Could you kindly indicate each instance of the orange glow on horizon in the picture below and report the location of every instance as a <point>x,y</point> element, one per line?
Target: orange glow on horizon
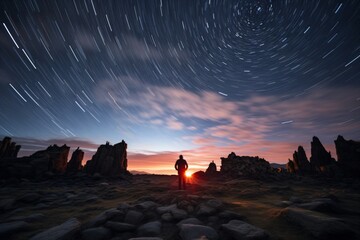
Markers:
<point>188,174</point>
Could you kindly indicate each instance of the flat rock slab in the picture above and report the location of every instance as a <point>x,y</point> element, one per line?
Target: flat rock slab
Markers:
<point>192,231</point>
<point>318,224</point>
<point>11,227</point>
<point>98,233</point>
<point>67,230</point>
<point>241,230</point>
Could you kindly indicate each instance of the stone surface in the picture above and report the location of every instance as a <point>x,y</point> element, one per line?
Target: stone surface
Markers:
<point>192,231</point>
<point>108,160</point>
<point>205,210</point>
<point>150,229</point>
<point>241,230</point>
<point>317,224</point>
<point>12,227</point>
<point>231,215</point>
<point>102,218</point>
<point>119,226</point>
<point>67,230</point>
<point>133,217</point>
<point>99,233</point>
<point>193,221</point>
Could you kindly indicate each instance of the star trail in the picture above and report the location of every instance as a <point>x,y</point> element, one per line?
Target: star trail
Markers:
<point>199,77</point>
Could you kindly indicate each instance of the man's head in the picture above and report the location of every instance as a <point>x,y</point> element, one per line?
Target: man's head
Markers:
<point>181,157</point>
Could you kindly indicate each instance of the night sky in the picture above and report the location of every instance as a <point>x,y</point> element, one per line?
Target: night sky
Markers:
<point>201,78</point>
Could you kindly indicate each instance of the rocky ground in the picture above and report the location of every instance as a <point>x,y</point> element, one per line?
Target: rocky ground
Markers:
<point>151,207</point>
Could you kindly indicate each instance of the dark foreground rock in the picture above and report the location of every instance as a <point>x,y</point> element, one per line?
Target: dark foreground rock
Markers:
<point>67,230</point>
<point>319,225</point>
<point>241,230</point>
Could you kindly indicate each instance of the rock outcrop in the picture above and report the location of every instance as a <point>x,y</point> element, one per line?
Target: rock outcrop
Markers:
<point>108,160</point>
<point>211,170</point>
<point>74,165</point>
<point>57,157</point>
<point>348,154</point>
<point>300,164</point>
<point>8,149</point>
<point>320,158</point>
<point>238,166</point>
<point>53,159</point>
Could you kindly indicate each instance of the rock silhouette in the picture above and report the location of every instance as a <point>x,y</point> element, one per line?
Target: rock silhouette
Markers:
<point>348,154</point>
<point>320,158</point>
<point>300,164</point>
<point>211,170</point>
<point>51,160</point>
<point>74,165</point>
<point>238,166</point>
<point>108,160</point>
<point>8,149</point>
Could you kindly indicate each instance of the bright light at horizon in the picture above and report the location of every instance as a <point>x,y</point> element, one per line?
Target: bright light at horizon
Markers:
<point>188,174</point>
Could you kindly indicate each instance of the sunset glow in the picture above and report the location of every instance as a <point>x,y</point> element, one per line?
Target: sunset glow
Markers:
<point>188,174</point>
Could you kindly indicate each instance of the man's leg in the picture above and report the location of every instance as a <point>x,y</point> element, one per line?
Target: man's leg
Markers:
<point>184,181</point>
<point>179,181</point>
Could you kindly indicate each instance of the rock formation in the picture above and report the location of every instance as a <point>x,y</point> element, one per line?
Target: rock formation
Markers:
<point>348,153</point>
<point>74,165</point>
<point>57,157</point>
<point>8,149</point>
<point>320,158</point>
<point>211,170</point>
<point>290,166</point>
<point>237,166</point>
<point>300,164</point>
<point>108,160</point>
<point>53,159</point>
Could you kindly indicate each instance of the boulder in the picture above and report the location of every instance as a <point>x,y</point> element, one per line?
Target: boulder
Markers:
<point>317,224</point>
<point>74,165</point>
<point>119,226</point>
<point>241,230</point>
<point>98,233</point>
<point>192,231</point>
<point>108,160</point>
<point>193,221</point>
<point>66,230</point>
<point>133,217</point>
<point>150,229</point>
<point>102,218</point>
<point>12,227</point>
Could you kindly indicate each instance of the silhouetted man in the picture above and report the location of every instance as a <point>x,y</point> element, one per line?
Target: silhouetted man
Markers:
<point>181,166</point>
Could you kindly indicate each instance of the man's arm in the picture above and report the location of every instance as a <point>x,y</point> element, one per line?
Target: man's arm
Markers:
<point>176,165</point>
<point>186,165</point>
